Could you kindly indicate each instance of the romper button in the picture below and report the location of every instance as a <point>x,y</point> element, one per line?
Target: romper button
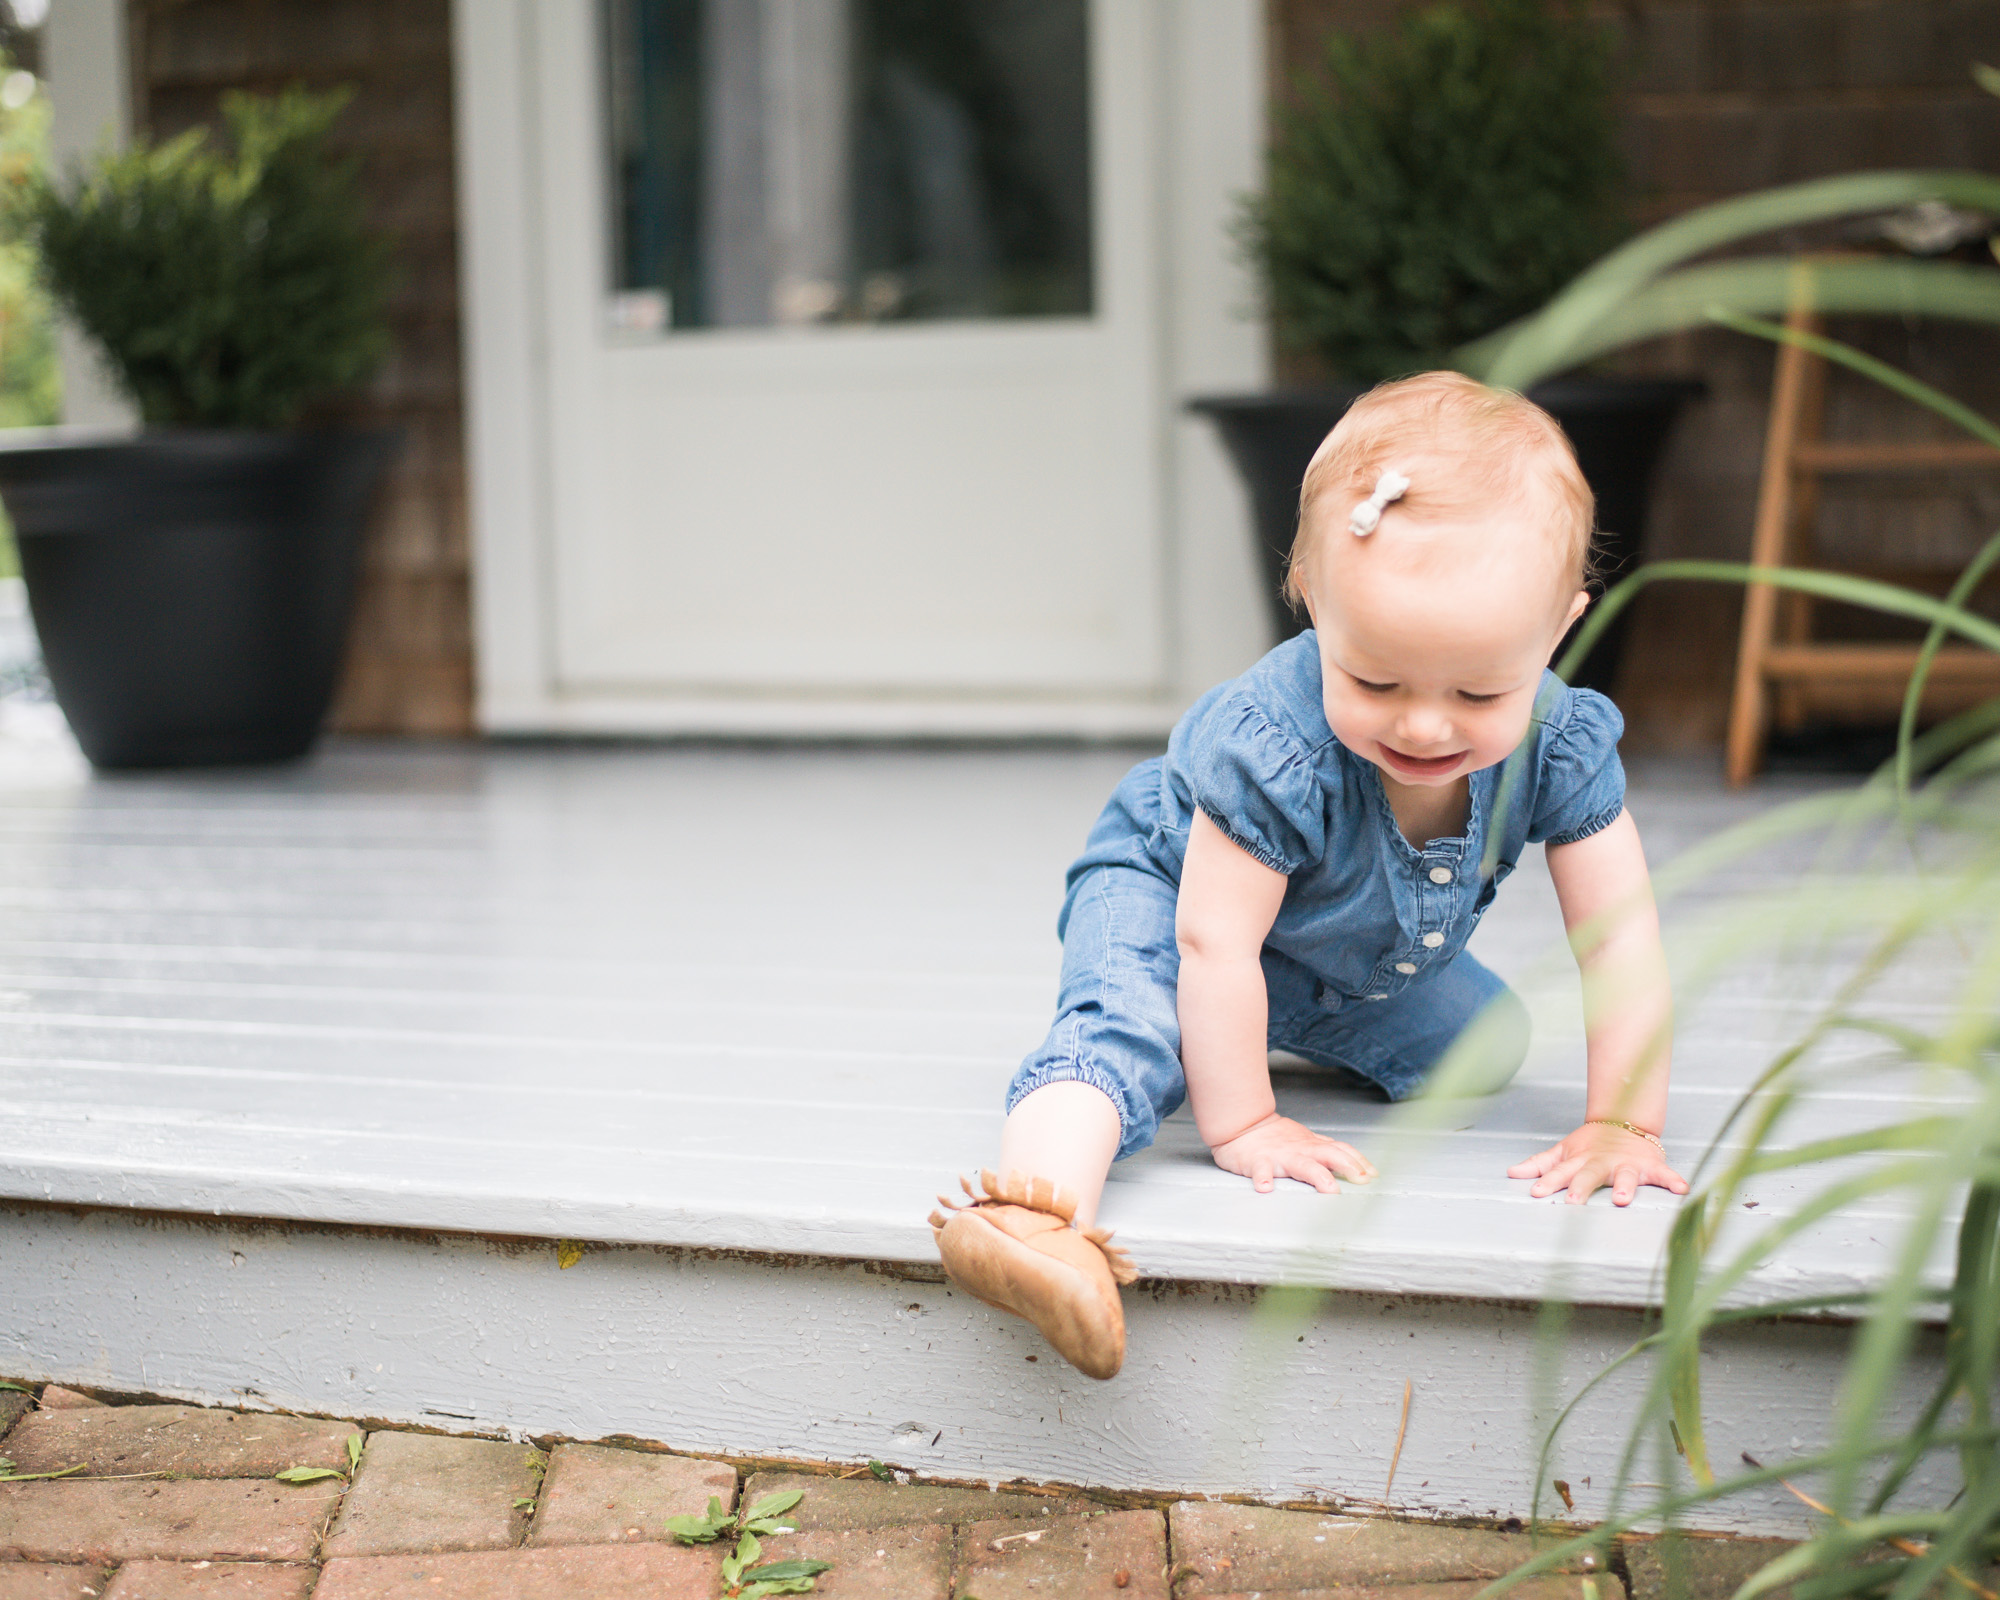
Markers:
<point>1433,940</point>
<point>1406,967</point>
<point>1440,874</point>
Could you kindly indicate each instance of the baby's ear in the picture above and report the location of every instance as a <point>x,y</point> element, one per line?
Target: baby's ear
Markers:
<point>1579,602</point>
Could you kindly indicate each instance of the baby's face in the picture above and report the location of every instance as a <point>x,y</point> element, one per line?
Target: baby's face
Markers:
<point>1432,640</point>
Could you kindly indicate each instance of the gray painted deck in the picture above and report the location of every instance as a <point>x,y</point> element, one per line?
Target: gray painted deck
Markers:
<point>421,1008</point>
<point>754,999</point>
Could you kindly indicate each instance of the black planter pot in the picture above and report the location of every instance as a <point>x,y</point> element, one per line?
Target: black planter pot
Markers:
<point>192,588</point>
<point>1619,427</point>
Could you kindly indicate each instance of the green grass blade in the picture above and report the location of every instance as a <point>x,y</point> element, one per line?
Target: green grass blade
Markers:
<point>1683,1339</point>
<point>1973,1337</point>
<point>1913,695</point>
<point>1841,586</point>
<point>1519,354</point>
<point>1672,1505</point>
<point>1919,1133</point>
<point>1767,286</point>
<point>1859,361</point>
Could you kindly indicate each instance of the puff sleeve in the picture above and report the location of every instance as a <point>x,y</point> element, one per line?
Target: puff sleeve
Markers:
<point>1255,782</point>
<point>1581,782</point>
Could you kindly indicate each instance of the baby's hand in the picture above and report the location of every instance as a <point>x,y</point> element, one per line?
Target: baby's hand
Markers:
<point>1278,1147</point>
<point>1597,1154</point>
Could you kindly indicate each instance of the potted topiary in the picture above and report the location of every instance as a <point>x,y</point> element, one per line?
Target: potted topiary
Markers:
<point>192,583</point>
<point>1431,184</point>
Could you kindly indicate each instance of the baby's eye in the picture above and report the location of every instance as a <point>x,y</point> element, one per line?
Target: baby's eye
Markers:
<point>1472,699</point>
<point>1371,688</point>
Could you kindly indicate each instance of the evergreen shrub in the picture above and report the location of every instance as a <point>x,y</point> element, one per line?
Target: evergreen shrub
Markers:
<point>228,287</point>
<point>1437,180</point>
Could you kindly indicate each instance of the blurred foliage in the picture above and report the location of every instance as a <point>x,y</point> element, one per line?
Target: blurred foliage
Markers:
<point>30,379</point>
<point>1655,284</point>
<point>1906,878</point>
<point>1436,180</point>
<point>30,387</point>
<point>227,287</point>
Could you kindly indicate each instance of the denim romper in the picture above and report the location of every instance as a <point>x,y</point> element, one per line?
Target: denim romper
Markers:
<point>1365,964</point>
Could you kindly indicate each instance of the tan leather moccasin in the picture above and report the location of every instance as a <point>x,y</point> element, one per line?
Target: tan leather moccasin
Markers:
<point>1015,1248</point>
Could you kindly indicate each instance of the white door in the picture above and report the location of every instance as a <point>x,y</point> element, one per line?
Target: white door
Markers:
<point>852,364</point>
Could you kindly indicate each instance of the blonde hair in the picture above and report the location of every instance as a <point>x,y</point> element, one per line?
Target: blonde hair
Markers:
<point>1500,446</point>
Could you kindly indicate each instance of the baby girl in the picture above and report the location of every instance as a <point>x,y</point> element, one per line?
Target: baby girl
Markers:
<point>1302,869</point>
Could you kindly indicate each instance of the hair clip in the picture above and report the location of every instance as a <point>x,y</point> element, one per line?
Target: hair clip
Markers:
<point>1365,518</point>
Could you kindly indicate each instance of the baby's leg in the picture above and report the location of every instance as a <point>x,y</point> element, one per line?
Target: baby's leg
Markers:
<point>1095,1090</point>
<point>1110,1068</point>
<point>1406,1042</point>
<point>1066,1131</point>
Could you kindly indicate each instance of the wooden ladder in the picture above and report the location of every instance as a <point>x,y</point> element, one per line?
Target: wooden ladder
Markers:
<point>1778,656</point>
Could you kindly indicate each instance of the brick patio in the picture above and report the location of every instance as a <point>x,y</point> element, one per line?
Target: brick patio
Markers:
<point>170,1502</point>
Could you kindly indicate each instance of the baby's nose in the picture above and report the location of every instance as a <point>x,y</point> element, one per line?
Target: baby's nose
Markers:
<point>1425,725</point>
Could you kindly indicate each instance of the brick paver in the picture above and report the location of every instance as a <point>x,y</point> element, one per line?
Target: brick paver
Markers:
<point>31,1580</point>
<point>876,1563</point>
<point>1709,1569</point>
<point>1556,1588</point>
<point>573,1572</point>
<point>57,1398</point>
<point>420,1492</point>
<point>866,1503</point>
<point>598,1495</point>
<point>75,1520</point>
<point>185,1440</point>
<point>449,1519</point>
<point>211,1580</point>
<point>1228,1548</point>
<point>1120,1555</point>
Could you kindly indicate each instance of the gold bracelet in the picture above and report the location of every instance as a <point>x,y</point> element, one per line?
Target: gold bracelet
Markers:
<point>1652,1139</point>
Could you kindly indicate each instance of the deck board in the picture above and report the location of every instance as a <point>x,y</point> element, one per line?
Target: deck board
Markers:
<point>753,999</point>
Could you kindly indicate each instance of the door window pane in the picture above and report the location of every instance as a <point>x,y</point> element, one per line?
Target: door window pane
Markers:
<point>817,161</point>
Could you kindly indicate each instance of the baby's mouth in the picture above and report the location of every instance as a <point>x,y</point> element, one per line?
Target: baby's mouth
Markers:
<point>1420,766</point>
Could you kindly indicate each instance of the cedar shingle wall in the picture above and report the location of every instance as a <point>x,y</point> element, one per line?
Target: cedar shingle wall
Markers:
<point>1724,96</point>
<point>410,665</point>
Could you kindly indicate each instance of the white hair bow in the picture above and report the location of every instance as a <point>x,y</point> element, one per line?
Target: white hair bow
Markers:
<point>1365,518</point>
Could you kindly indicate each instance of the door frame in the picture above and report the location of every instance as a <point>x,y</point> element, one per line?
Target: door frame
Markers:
<point>1209,94</point>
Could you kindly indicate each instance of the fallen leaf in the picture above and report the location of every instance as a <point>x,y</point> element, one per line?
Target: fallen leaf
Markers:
<point>878,1471</point>
<point>1562,1489</point>
<point>307,1474</point>
<point>568,1252</point>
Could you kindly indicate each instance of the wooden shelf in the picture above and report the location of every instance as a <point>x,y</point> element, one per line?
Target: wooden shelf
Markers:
<point>1782,672</point>
<point>1873,661</point>
<point>1854,455</point>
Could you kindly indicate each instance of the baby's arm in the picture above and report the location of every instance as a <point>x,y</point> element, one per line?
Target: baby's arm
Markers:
<point>1228,901</point>
<point>1607,904</point>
